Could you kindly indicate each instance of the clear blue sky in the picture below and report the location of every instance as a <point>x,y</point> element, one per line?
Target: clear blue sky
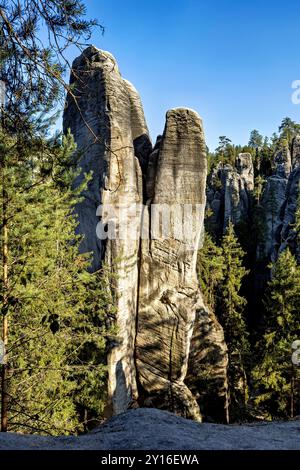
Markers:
<point>232,61</point>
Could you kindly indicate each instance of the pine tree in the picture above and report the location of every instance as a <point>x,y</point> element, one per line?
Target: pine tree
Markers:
<point>225,152</point>
<point>53,310</point>
<point>258,188</point>
<point>232,307</point>
<point>210,270</point>
<point>256,140</point>
<point>274,375</point>
<point>288,129</point>
<point>32,69</point>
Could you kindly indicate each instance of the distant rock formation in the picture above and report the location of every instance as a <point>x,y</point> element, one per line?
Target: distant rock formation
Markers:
<point>279,202</point>
<point>166,336</point>
<point>229,193</point>
<point>296,152</point>
<point>283,162</point>
<point>287,235</point>
<point>272,201</point>
<point>229,198</point>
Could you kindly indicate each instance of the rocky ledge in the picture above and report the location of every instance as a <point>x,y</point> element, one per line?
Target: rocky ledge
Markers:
<point>145,429</point>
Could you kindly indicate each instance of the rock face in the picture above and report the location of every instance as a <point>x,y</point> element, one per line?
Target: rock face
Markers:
<point>279,202</point>
<point>296,152</point>
<point>238,187</point>
<point>207,365</point>
<point>283,162</point>
<point>287,234</point>
<point>229,193</point>
<point>272,202</point>
<point>169,297</point>
<point>165,335</point>
<point>229,198</point>
<point>108,127</point>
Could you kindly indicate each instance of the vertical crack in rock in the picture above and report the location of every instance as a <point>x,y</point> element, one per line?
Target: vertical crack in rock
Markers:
<point>140,134</point>
<point>165,335</point>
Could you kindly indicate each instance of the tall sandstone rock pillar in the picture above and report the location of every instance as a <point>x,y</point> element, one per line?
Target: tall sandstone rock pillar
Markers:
<point>165,335</point>
<point>107,120</point>
<point>169,297</point>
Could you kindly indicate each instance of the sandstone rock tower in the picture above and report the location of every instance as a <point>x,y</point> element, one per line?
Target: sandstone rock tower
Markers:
<point>168,343</point>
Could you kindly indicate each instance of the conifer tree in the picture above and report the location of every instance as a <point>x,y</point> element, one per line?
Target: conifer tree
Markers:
<point>53,310</point>
<point>231,314</point>
<point>33,66</point>
<point>225,152</point>
<point>210,270</point>
<point>274,375</point>
<point>288,129</point>
<point>256,140</point>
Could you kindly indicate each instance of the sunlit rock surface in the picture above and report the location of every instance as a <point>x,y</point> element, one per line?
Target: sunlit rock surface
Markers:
<point>163,328</point>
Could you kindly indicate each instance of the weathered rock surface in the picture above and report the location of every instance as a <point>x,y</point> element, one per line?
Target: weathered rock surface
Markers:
<point>140,134</point>
<point>279,203</point>
<point>207,366</point>
<point>107,129</point>
<point>169,296</point>
<point>158,298</point>
<point>296,152</point>
<point>238,187</point>
<point>272,202</point>
<point>283,162</point>
<point>149,429</point>
<point>229,198</point>
<point>287,233</point>
<point>229,193</point>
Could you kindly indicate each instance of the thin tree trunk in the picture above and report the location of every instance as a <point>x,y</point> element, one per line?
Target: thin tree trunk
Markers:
<point>4,372</point>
